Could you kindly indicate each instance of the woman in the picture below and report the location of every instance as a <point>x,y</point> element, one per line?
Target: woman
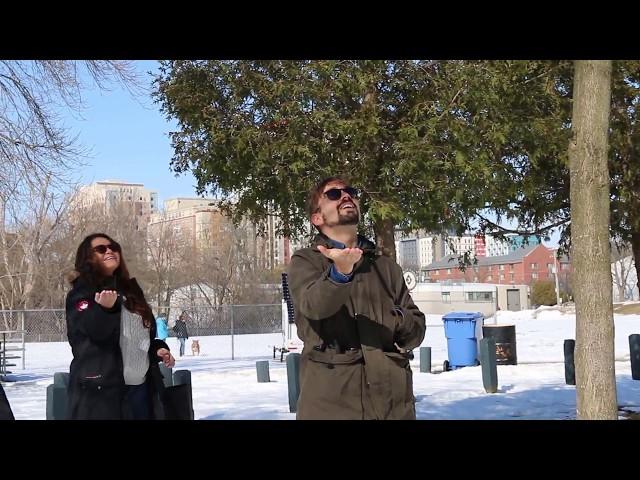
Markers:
<point>180,329</point>
<point>114,373</point>
<point>162,328</point>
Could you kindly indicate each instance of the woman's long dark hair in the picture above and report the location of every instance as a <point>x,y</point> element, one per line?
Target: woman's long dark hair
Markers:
<point>90,273</point>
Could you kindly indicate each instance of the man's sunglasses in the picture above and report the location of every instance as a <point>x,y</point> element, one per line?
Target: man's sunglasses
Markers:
<point>336,193</point>
<point>102,249</point>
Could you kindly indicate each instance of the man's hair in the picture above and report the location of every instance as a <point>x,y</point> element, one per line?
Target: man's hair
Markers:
<point>316,192</point>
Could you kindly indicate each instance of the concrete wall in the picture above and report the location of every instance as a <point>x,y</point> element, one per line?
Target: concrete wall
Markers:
<point>525,302</point>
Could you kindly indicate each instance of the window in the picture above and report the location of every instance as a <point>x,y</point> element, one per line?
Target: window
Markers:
<point>448,271</point>
<point>489,277</point>
<point>479,296</point>
<point>511,267</point>
<point>475,269</point>
<point>501,268</point>
<point>534,275</point>
<point>437,272</point>
<point>534,265</point>
<point>502,276</point>
<point>446,297</point>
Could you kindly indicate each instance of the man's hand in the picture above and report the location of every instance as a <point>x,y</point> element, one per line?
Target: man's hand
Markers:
<point>344,259</point>
<point>166,357</point>
<point>106,298</point>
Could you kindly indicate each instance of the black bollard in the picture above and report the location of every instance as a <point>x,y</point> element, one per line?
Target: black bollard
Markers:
<point>183,395</point>
<point>262,367</point>
<point>569,365</point>
<point>634,350</point>
<point>425,359</point>
<point>293,380</point>
<point>488,365</point>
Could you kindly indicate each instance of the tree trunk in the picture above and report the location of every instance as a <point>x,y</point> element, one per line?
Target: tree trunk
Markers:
<point>590,247</point>
<point>635,249</point>
<point>385,240</point>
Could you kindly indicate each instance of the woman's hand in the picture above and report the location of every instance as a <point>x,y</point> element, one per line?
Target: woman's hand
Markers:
<point>106,298</point>
<point>166,357</point>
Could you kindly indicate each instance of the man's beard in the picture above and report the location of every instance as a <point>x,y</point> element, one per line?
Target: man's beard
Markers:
<point>348,217</point>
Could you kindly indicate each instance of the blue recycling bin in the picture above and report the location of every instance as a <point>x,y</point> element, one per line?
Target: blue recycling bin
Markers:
<point>460,329</point>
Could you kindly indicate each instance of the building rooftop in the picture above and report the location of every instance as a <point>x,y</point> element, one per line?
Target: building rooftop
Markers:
<point>515,256</point>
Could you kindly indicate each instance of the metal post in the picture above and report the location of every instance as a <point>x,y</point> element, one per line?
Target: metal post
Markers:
<point>488,364</point>
<point>232,352</point>
<point>425,359</point>
<point>634,350</point>
<point>262,368</point>
<point>569,365</point>
<point>24,351</point>
<point>293,380</point>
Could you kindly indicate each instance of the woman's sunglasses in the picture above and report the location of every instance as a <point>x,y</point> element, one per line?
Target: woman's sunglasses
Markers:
<point>336,193</point>
<point>102,249</point>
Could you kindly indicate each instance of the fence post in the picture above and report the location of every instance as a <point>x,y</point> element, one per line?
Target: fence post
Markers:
<point>569,365</point>
<point>293,380</point>
<point>232,352</point>
<point>425,359</point>
<point>24,350</point>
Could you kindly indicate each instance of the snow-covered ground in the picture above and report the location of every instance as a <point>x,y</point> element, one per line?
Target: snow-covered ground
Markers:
<point>228,389</point>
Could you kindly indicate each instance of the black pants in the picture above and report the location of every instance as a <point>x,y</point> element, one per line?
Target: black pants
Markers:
<point>137,402</point>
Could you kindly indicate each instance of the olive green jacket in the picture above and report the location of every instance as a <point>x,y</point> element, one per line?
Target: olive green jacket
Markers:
<point>350,367</point>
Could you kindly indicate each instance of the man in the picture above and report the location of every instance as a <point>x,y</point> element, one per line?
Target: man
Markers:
<point>354,315</point>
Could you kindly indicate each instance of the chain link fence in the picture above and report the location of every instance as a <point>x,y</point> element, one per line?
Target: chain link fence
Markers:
<point>227,319</point>
<point>49,325</point>
<point>38,325</point>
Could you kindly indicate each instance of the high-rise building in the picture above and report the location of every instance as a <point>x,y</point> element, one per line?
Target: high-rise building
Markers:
<point>110,194</point>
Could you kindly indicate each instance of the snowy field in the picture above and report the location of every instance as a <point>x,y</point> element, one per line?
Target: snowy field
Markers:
<point>228,389</point>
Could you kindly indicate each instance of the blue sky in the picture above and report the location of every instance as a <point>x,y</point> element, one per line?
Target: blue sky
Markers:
<point>128,139</point>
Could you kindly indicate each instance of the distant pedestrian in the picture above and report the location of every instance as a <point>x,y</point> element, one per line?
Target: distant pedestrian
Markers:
<point>180,329</point>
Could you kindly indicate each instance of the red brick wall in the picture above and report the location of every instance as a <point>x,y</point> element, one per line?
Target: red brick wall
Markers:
<point>522,271</point>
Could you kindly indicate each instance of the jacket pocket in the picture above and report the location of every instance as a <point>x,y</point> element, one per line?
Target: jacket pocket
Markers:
<point>92,383</point>
<point>400,359</point>
<point>331,385</point>
<point>401,378</point>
